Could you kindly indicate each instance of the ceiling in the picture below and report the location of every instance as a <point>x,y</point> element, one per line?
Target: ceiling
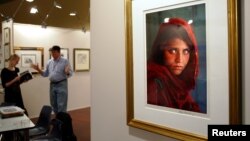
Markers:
<point>57,17</point>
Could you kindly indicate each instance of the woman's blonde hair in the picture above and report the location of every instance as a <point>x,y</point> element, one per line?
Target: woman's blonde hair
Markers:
<point>13,57</point>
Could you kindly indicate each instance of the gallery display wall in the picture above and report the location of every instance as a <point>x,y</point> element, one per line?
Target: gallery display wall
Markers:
<point>108,80</point>
<point>245,60</point>
<point>36,91</point>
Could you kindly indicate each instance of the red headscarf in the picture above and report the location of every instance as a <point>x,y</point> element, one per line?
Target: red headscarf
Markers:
<point>164,88</point>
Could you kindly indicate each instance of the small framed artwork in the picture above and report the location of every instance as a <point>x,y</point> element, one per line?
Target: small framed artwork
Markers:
<point>81,59</point>
<point>27,59</point>
<point>6,35</point>
<point>28,56</point>
<point>176,85</point>
<point>64,53</point>
<point>6,51</point>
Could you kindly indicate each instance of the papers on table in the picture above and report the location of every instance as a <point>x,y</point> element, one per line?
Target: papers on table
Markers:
<point>11,111</point>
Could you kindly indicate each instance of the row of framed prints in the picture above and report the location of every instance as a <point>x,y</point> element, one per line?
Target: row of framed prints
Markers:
<point>6,41</point>
<point>35,55</point>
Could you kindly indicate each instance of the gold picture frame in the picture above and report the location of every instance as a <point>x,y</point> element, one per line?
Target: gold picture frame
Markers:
<point>28,56</point>
<point>232,81</point>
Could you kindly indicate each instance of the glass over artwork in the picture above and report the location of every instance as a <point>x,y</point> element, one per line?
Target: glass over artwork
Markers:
<point>176,58</point>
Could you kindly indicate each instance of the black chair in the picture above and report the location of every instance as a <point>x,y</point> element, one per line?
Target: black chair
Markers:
<point>67,127</point>
<point>62,129</point>
<point>42,125</point>
<point>54,135</point>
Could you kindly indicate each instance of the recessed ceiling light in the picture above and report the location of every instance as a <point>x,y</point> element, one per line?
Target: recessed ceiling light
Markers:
<point>72,13</point>
<point>33,10</point>
<point>29,0</point>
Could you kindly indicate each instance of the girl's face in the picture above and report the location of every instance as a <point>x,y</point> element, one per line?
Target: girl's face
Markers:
<point>176,55</point>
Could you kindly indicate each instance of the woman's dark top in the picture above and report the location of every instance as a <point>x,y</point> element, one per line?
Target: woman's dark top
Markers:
<point>12,94</point>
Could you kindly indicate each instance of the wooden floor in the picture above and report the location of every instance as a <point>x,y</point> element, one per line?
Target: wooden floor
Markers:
<point>81,123</point>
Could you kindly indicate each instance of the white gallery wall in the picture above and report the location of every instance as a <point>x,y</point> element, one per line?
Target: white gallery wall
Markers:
<point>36,92</point>
<point>245,60</point>
<point>108,75</point>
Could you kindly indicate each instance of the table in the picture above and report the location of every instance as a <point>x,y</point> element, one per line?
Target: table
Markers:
<point>15,124</point>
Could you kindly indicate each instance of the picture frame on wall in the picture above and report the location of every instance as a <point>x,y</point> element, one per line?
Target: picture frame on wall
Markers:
<point>28,56</point>
<point>28,59</point>
<point>81,59</point>
<point>7,51</point>
<point>6,35</point>
<point>214,81</point>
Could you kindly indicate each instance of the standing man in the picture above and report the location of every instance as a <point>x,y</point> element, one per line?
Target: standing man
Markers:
<point>58,70</point>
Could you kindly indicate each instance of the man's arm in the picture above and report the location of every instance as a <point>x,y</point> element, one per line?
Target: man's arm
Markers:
<point>36,67</point>
<point>68,71</point>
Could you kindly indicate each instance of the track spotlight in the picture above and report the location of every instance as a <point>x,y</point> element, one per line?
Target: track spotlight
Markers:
<point>2,15</point>
<point>84,29</point>
<point>57,5</point>
<point>6,18</point>
<point>44,25</point>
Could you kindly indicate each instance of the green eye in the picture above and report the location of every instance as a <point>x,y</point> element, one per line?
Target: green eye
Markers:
<point>172,51</point>
<point>186,51</point>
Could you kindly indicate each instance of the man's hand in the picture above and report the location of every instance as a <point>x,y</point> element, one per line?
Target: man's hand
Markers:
<point>67,69</point>
<point>36,67</point>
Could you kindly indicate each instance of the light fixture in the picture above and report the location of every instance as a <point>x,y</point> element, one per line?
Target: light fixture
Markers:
<point>72,13</point>
<point>84,29</point>
<point>44,25</point>
<point>57,5</point>
<point>46,16</point>
<point>6,18</point>
<point>29,0</point>
<point>2,15</point>
<point>33,10</point>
